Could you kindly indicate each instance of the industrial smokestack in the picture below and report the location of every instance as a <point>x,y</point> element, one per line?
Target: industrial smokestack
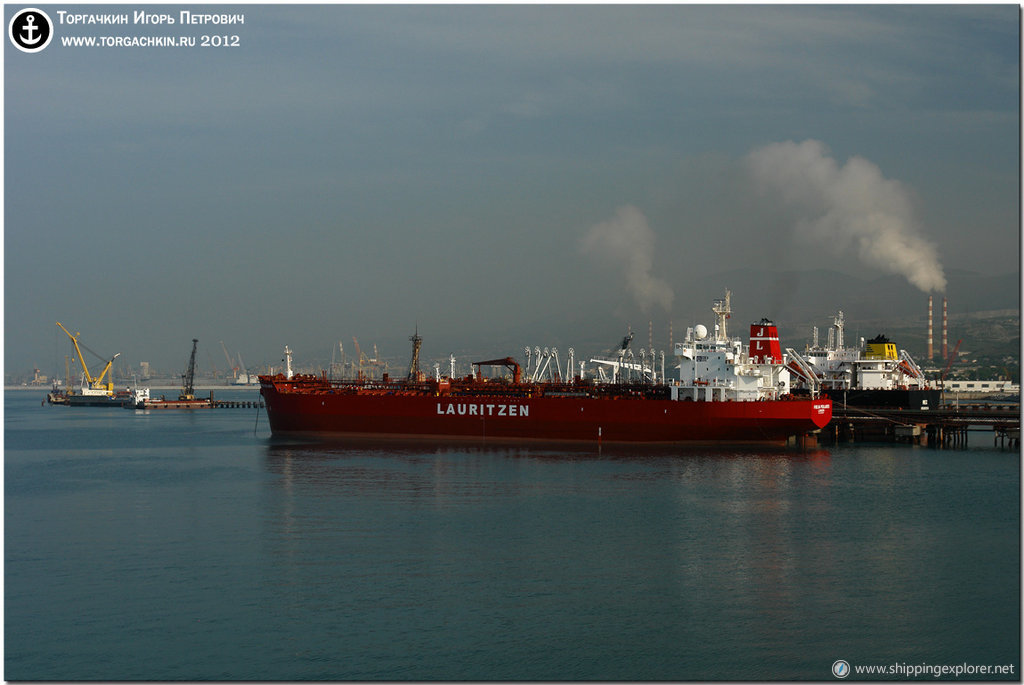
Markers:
<point>931,348</point>
<point>945,348</point>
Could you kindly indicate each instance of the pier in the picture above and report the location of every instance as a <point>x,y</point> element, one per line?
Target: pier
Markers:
<point>947,426</point>
<point>236,404</point>
<point>201,403</point>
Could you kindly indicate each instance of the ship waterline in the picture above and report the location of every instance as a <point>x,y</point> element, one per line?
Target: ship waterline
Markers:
<point>310,405</point>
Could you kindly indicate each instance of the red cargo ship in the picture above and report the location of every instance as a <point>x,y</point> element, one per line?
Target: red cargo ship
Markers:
<point>725,392</point>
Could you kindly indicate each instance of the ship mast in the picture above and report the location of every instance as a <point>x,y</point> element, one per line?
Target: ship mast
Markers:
<point>723,311</point>
<point>838,323</point>
<point>414,367</point>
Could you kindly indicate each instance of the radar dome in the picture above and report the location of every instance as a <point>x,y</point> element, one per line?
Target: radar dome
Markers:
<point>700,331</point>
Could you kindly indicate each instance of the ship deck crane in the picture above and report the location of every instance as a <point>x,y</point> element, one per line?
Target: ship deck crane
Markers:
<point>94,383</point>
<point>508,362</point>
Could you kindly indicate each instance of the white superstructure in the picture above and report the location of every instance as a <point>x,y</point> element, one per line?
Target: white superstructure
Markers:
<point>711,366</point>
<point>873,365</point>
<point>716,367</point>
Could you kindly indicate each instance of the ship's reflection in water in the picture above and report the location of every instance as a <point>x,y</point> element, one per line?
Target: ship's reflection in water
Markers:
<point>454,473</point>
<point>540,562</point>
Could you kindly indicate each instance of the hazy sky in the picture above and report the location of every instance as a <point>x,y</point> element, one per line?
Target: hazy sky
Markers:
<point>477,170</point>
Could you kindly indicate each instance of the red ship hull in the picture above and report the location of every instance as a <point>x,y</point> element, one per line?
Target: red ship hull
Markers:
<point>313,406</point>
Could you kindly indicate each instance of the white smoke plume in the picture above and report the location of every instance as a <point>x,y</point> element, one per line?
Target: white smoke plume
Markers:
<point>848,207</point>
<point>627,242</point>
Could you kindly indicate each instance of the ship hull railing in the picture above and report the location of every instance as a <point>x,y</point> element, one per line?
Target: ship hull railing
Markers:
<point>721,389</point>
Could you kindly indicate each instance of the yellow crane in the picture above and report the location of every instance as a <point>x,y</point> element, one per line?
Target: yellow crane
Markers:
<point>361,357</point>
<point>375,362</point>
<point>94,383</point>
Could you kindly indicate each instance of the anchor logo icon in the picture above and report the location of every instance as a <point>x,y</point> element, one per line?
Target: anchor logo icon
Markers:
<point>30,30</point>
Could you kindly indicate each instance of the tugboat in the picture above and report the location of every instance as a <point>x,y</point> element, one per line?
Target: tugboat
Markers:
<point>57,395</point>
<point>725,391</point>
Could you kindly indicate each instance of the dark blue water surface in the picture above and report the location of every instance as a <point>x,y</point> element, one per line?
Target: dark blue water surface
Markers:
<point>189,545</point>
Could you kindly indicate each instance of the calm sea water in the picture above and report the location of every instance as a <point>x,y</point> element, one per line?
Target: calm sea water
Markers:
<point>178,545</point>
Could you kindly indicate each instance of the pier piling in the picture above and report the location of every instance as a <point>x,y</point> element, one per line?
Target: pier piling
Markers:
<point>944,427</point>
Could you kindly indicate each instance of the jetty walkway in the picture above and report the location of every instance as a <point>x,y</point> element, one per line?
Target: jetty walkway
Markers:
<point>947,426</point>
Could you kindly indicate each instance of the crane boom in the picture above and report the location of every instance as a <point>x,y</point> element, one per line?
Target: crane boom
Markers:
<point>78,350</point>
<point>231,362</point>
<point>94,383</point>
<point>360,357</point>
<point>187,391</point>
<point>99,381</point>
<point>949,362</point>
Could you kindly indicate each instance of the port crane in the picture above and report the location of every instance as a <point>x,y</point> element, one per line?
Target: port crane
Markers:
<point>360,356</point>
<point>93,383</point>
<point>949,362</point>
<point>231,362</point>
<point>246,378</point>
<point>364,360</point>
<point>335,366</point>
